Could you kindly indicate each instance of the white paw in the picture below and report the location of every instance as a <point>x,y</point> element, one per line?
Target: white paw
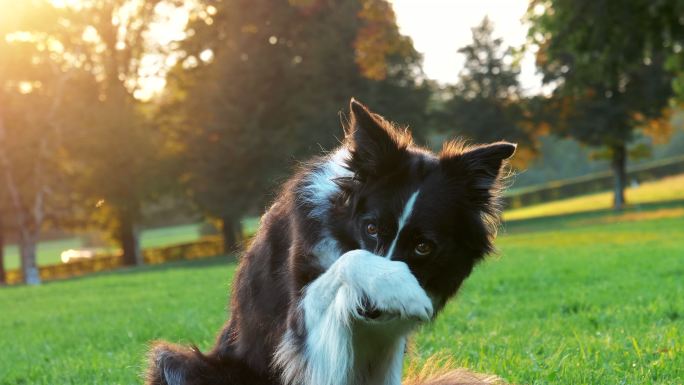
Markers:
<point>387,287</point>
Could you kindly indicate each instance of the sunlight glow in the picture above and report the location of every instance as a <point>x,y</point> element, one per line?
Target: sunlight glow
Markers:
<point>19,36</point>
<point>25,87</point>
<point>72,255</point>
<point>206,55</point>
<point>66,3</point>
<point>90,35</point>
<point>163,32</point>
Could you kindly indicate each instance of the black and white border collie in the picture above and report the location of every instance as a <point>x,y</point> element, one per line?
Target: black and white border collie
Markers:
<point>362,245</point>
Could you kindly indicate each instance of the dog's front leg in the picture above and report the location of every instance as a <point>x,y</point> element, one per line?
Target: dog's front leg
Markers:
<point>339,297</point>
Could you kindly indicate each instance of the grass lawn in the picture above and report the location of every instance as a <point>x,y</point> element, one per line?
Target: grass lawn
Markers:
<point>662,190</point>
<point>581,299</point>
<point>597,304</point>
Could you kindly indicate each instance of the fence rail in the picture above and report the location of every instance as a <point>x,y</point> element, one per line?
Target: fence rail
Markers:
<point>205,247</point>
<point>212,246</point>
<point>592,183</point>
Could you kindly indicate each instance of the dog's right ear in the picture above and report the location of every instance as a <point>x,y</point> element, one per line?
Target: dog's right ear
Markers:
<point>374,143</point>
<point>479,167</point>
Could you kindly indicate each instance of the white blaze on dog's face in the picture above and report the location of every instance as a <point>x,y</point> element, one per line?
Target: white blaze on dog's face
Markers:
<point>436,212</point>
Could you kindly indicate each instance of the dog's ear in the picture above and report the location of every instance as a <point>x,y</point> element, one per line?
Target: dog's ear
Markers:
<point>479,167</point>
<point>374,143</point>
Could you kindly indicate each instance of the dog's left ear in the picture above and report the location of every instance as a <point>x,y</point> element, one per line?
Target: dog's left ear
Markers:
<point>374,143</point>
<point>480,167</point>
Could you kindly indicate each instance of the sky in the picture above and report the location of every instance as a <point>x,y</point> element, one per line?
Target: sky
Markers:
<point>440,27</point>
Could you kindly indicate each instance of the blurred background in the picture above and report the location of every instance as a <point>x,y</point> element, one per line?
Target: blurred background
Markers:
<point>121,117</point>
<point>141,132</point>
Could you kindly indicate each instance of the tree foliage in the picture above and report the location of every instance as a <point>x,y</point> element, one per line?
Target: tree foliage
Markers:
<point>262,83</point>
<point>487,103</point>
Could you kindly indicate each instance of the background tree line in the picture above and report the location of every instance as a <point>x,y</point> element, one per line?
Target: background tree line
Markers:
<point>252,86</point>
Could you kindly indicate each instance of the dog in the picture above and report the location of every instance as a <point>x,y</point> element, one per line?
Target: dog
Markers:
<point>361,246</point>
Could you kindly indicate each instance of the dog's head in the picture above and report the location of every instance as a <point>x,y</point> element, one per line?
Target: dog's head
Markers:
<point>436,212</point>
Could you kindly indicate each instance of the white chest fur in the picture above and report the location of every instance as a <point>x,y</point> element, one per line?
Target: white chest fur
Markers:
<point>379,352</point>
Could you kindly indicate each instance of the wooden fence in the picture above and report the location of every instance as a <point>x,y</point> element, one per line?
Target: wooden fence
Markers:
<point>592,183</point>
<point>206,247</point>
<point>211,246</point>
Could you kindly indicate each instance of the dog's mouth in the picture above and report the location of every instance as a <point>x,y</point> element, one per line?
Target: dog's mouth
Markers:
<point>379,317</point>
<point>368,312</point>
<point>371,314</point>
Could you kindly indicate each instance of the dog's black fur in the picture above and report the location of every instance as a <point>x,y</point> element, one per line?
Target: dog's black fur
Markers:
<point>352,199</point>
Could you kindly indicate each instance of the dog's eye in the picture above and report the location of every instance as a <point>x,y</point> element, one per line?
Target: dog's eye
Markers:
<point>424,248</point>
<point>372,229</point>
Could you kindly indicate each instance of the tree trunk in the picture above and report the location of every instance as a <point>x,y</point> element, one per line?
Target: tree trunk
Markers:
<point>2,252</point>
<point>231,230</point>
<point>619,165</point>
<point>130,241</point>
<point>28,244</point>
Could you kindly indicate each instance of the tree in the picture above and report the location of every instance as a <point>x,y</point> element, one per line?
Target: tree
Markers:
<point>2,249</point>
<point>227,150</point>
<point>392,78</point>
<point>32,88</point>
<point>3,231</point>
<point>262,83</point>
<point>113,149</point>
<point>80,65</point>
<point>487,103</point>
<point>607,62</point>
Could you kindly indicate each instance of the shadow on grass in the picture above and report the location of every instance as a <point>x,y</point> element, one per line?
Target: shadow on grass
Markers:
<point>564,221</point>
